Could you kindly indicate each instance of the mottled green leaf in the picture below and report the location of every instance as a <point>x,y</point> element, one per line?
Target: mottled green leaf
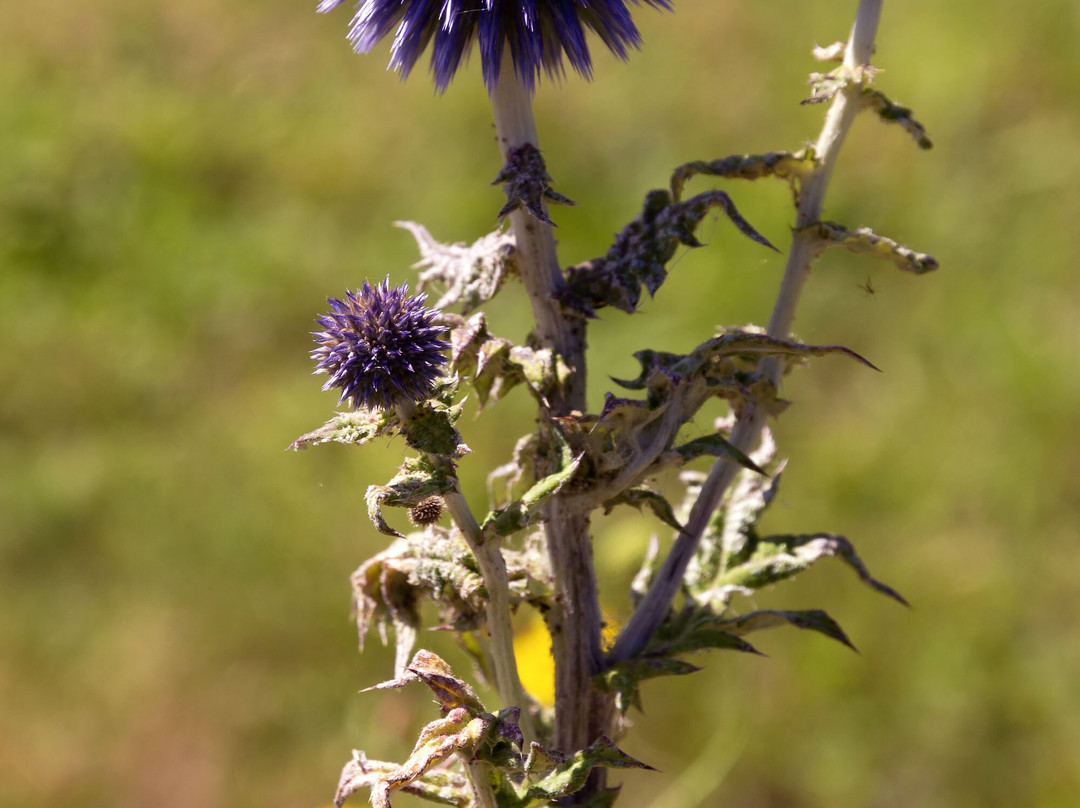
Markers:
<point>527,184</point>
<point>517,515</point>
<point>863,240</point>
<point>641,252</point>
<point>784,165</point>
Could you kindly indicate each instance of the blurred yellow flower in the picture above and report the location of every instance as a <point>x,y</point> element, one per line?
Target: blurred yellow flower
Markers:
<point>536,666</point>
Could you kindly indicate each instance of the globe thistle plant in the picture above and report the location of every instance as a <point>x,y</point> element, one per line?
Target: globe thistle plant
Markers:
<point>537,33</point>
<point>380,347</point>
<point>534,548</point>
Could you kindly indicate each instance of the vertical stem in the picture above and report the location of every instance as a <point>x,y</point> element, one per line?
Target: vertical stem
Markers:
<point>654,607</point>
<point>493,570</point>
<point>574,622</point>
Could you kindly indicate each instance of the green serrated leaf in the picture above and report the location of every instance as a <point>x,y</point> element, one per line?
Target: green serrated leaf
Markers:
<point>716,445</point>
<point>863,240</point>
<point>810,619</point>
<point>708,639</point>
<point>776,558</point>
<point>624,678</point>
<point>640,496</point>
<point>570,776</point>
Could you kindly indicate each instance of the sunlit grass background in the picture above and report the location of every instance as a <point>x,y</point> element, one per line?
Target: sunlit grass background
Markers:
<point>181,186</point>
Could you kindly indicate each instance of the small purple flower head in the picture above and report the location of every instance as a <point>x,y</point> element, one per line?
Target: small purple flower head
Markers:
<point>380,346</point>
<point>537,32</point>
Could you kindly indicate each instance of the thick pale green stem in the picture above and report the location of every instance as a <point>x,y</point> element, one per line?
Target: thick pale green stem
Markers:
<point>654,607</point>
<point>479,773</point>
<point>574,621</point>
<point>493,570</point>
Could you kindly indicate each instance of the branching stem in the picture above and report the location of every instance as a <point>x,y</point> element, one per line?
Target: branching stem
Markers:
<point>654,607</point>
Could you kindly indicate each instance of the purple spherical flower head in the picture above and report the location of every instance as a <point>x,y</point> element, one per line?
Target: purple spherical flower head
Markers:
<point>380,346</point>
<point>537,32</point>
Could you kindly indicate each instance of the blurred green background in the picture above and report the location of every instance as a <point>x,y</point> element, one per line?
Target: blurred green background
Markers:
<point>181,186</point>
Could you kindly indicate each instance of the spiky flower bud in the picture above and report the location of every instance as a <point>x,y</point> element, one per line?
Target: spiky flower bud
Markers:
<point>537,33</point>
<point>427,511</point>
<point>380,346</point>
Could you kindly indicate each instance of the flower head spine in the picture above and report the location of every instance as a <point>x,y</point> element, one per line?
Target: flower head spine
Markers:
<point>380,346</point>
<point>537,33</point>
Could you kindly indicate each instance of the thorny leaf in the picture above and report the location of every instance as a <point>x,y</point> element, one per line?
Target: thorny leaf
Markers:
<point>789,166</point>
<point>435,564</point>
<point>727,537</point>
<point>418,478</point>
<point>437,784</point>
<point>517,515</point>
<point>526,182</point>
<point>891,112</point>
<point>776,558</point>
<point>451,692</point>
<point>690,630</point>
<point>429,429</point>
<point>470,275</point>
<point>641,252</point>
<point>631,440</point>
<point>823,86</point>
<point>495,365</point>
<point>356,428</point>
<point>660,370</point>
<point>864,240</point>
<point>624,678</point>
<point>811,619</point>
<point>642,495</point>
<point>569,776</point>
<point>478,355</point>
<point>716,445</point>
<point>438,740</point>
